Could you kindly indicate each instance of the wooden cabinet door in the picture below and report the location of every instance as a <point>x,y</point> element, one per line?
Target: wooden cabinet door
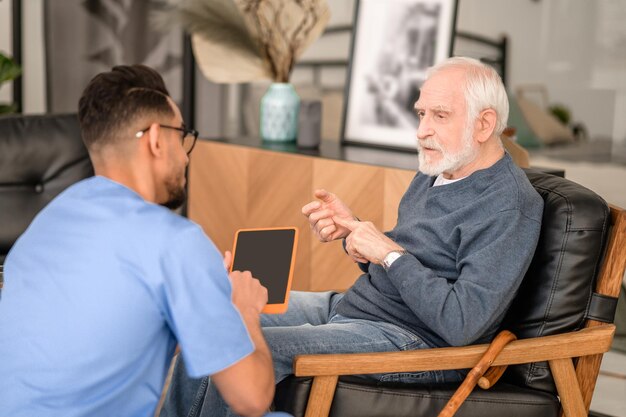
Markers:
<point>361,187</point>
<point>233,187</point>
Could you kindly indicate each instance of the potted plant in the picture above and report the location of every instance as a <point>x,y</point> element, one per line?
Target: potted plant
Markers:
<point>9,70</point>
<point>248,40</point>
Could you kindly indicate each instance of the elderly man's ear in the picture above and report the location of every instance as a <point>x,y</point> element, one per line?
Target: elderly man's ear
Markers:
<point>485,125</point>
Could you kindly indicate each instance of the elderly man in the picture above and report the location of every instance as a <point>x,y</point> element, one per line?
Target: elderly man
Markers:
<point>445,275</point>
<point>106,280</point>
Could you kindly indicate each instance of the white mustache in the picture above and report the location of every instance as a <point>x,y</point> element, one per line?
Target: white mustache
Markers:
<point>428,143</point>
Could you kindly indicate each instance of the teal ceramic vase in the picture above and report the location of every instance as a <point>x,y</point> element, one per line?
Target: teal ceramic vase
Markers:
<point>279,113</point>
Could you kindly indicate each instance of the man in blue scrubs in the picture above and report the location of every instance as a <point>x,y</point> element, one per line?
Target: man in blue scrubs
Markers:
<point>107,280</point>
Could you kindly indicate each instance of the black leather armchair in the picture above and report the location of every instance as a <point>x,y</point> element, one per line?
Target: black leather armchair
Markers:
<point>571,284</point>
<point>40,156</point>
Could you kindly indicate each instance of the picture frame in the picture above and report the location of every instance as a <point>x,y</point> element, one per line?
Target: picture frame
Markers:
<point>394,42</point>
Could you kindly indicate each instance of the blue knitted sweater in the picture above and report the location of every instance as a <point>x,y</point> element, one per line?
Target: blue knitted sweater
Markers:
<point>470,244</point>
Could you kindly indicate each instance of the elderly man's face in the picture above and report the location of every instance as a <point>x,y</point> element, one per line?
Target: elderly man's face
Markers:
<point>444,138</point>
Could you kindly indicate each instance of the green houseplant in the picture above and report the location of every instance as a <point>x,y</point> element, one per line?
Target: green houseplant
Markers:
<point>9,70</point>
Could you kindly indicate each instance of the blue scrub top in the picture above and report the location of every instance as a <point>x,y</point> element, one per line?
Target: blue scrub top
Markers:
<point>97,292</point>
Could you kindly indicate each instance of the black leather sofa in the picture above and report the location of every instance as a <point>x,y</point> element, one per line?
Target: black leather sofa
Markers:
<point>40,156</point>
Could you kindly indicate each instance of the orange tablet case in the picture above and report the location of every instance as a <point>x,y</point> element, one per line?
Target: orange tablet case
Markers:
<point>276,308</point>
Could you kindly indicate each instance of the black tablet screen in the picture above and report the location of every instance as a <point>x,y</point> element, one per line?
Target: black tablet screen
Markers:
<point>267,254</point>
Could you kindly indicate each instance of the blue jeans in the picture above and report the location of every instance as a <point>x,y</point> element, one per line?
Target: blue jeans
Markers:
<point>310,325</point>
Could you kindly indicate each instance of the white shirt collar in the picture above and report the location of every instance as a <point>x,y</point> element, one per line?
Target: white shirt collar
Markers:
<point>440,180</point>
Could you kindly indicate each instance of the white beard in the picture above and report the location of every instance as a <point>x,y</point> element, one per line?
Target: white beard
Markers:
<point>449,162</point>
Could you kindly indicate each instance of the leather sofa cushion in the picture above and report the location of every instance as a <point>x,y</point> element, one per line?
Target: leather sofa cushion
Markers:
<point>40,156</point>
<point>356,398</point>
<point>556,291</point>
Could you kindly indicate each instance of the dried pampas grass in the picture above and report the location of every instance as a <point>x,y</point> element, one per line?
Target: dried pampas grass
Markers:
<point>248,40</point>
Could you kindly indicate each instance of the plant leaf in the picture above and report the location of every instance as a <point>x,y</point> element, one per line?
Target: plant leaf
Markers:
<point>9,69</point>
<point>317,28</point>
<point>224,48</point>
<point>7,108</point>
<point>248,40</point>
<point>218,20</point>
<point>221,64</point>
<point>286,28</point>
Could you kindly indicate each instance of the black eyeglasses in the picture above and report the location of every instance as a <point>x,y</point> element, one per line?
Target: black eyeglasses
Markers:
<point>188,140</point>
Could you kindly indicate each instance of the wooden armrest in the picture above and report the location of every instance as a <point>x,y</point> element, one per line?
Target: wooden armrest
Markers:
<point>584,342</point>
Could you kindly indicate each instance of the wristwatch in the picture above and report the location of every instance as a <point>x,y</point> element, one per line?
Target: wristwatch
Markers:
<point>391,257</point>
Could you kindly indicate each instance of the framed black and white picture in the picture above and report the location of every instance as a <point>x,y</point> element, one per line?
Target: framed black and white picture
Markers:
<point>394,43</point>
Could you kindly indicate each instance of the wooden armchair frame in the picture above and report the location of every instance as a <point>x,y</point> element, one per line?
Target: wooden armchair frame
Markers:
<point>574,357</point>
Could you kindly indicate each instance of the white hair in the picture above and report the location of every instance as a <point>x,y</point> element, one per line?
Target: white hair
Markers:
<point>483,89</point>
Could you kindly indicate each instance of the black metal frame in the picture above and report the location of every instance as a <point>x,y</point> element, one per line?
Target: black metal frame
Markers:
<point>317,64</point>
<point>188,106</point>
<point>189,83</point>
<point>16,12</point>
<point>500,45</point>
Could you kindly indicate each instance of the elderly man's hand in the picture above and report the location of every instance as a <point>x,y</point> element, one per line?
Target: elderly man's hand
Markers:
<point>365,242</point>
<point>321,213</point>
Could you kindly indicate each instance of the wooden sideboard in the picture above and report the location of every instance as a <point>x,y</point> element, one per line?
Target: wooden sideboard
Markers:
<point>233,186</point>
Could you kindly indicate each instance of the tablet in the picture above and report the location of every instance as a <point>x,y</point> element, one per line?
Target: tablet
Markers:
<point>270,254</point>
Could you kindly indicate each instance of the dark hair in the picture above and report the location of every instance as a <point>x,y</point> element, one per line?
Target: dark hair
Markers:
<point>113,100</point>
